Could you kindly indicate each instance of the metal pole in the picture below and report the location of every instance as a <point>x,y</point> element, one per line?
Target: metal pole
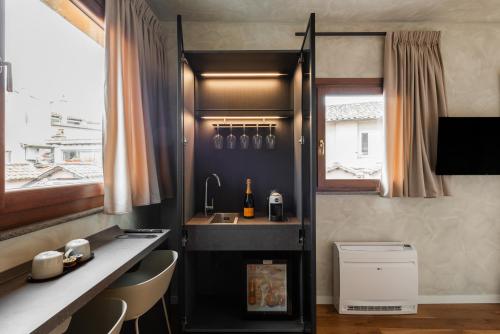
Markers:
<point>345,33</point>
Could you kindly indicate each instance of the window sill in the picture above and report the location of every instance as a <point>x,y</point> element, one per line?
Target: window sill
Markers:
<point>23,207</point>
<point>16,232</point>
<point>349,186</point>
<point>353,192</point>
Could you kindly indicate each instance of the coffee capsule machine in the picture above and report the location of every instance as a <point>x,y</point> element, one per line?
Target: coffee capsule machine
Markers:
<point>275,208</point>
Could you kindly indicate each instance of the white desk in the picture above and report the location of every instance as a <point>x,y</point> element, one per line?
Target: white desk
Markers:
<point>40,307</point>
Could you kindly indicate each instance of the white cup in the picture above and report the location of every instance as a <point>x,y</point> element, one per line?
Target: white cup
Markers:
<point>47,264</point>
<point>79,246</point>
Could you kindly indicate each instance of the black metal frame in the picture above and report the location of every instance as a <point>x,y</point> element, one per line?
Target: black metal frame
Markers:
<point>311,239</point>
<point>180,163</point>
<point>345,33</point>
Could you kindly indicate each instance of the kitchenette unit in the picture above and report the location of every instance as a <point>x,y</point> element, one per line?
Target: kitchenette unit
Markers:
<point>247,125</point>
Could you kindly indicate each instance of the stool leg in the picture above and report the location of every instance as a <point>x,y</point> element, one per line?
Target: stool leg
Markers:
<point>137,325</point>
<point>166,314</point>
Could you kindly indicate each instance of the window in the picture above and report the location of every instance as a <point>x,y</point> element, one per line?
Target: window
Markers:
<point>55,119</point>
<point>74,120</point>
<point>364,143</point>
<point>52,136</point>
<point>350,134</point>
<point>44,117</point>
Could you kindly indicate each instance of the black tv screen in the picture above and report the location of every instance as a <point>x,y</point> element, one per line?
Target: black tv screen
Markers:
<point>468,146</point>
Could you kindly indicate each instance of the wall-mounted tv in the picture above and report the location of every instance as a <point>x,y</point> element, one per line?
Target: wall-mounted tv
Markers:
<point>468,146</point>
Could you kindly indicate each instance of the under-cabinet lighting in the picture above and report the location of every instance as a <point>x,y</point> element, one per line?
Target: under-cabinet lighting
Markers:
<point>243,75</point>
<point>243,117</point>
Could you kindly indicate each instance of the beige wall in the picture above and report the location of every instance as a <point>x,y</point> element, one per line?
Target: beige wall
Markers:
<point>18,250</point>
<point>458,238</point>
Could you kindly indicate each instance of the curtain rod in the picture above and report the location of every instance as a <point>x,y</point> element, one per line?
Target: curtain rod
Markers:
<point>345,33</point>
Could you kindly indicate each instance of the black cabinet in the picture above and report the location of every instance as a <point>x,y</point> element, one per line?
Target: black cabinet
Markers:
<point>219,90</point>
<point>273,237</point>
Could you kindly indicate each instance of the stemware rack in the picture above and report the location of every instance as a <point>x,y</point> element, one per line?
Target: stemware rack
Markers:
<point>244,140</point>
<point>244,125</point>
<point>243,122</point>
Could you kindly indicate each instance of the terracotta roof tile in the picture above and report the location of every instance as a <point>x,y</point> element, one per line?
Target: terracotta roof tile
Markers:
<point>28,171</point>
<point>23,171</point>
<point>87,171</point>
<point>355,111</point>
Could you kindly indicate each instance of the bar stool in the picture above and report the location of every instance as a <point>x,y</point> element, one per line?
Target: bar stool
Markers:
<point>62,327</point>
<point>141,289</point>
<point>99,316</point>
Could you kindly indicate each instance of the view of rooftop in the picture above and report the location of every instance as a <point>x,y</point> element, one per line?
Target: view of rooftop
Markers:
<point>354,137</point>
<point>54,114</point>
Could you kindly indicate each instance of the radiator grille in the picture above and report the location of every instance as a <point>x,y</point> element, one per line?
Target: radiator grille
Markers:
<point>364,308</point>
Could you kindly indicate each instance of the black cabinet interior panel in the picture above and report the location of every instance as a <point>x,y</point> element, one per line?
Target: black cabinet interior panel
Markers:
<point>283,61</point>
<point>268,169</point>
<point>247,94</point>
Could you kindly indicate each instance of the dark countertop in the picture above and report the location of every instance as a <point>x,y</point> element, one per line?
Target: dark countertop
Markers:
<point>40,307</point>
<point>200,219</point>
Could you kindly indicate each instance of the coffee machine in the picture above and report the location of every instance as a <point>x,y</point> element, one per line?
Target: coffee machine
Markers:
<point>275,207</point>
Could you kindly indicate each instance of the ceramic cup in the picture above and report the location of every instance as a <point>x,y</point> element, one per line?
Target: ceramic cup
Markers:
<point>79,246</point>
<point>47,264</point>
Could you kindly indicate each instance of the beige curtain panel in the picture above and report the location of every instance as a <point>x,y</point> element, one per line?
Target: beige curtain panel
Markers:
<point>415,97</point>
<point>136,164</point>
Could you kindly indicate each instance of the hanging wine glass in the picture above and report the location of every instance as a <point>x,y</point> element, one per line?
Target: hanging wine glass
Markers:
<point>244,140</point>
<point>218,140</point>
<point>231,139</point>
<point>257,140</point>
<point>270,139</point>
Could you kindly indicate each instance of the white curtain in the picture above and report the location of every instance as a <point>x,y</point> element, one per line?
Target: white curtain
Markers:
<point>136,164</point>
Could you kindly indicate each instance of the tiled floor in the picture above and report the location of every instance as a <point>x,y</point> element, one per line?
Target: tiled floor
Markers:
<point>431,319</point>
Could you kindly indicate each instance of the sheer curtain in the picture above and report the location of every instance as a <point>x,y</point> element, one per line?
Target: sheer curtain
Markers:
<point>136,164</point>
<point>415,97</point>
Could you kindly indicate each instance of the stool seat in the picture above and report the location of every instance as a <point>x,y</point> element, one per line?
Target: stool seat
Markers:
<point>62,327</point>
<point>100,316</point>
<point>143,288</point>
<point>132,278</point>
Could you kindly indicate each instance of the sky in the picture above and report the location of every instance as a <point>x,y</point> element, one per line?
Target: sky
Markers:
<point>56,68</point>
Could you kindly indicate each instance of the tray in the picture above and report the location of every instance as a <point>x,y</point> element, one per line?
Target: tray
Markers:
<point>136,236</point>
<point>65,271</point>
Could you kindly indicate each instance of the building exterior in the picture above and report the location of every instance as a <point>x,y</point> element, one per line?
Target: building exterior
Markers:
<point>354,143</point>
<point>73,154</point>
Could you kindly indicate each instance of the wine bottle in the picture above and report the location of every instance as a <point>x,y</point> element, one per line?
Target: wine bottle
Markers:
<point>252,299</point>
<point>248,206</point>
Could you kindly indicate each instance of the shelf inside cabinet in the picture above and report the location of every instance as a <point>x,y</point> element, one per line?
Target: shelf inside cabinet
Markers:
<point>212,315</point>
<point>233,112</point>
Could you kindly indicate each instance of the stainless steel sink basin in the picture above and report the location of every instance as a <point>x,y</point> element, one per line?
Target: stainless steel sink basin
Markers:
<point>224,218</point>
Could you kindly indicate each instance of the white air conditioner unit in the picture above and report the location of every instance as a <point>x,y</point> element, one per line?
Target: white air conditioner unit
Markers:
<point>375,278</point>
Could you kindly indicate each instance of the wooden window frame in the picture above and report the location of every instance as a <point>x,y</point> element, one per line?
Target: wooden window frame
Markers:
<point>25,206</point>
<point>327,86</point>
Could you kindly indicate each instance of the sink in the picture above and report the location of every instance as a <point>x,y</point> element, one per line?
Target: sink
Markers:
<point>224,218</point>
